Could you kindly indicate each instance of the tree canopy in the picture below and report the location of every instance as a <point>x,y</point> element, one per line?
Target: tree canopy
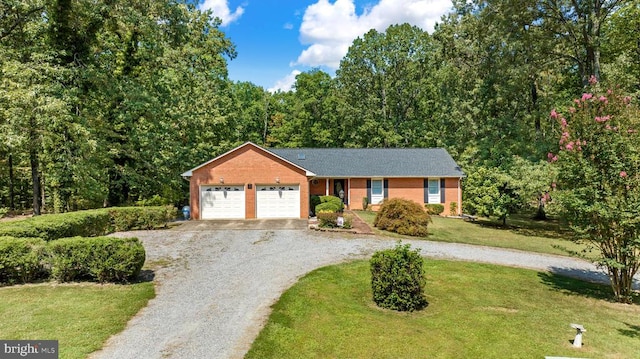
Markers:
<point>107,102</point>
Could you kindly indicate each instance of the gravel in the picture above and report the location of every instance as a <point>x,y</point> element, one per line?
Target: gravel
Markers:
<point>214,289</point>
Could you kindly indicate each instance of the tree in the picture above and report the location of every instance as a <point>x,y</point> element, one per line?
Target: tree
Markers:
<point>386,83</point>
<point>599,180</point>
<point>488,192</point>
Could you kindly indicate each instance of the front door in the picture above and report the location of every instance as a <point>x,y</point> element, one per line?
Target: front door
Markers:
<point>340,190</point>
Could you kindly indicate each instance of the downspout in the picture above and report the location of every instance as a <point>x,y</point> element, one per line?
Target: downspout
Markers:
<point>459,197</point>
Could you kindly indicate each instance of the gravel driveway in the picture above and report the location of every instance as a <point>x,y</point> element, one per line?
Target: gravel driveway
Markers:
<point>215,288</point>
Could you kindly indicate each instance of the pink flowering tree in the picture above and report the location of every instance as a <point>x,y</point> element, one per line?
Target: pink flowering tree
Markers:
<point>598,184</point>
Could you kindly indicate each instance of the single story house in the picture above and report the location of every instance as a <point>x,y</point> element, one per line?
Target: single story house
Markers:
<point>255,182</point>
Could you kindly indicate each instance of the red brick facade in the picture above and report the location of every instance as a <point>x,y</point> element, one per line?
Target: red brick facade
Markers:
<point>250,165</point>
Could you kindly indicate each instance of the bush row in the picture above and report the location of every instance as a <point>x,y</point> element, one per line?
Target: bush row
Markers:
<point>90,223</point>
<point>102,259</point>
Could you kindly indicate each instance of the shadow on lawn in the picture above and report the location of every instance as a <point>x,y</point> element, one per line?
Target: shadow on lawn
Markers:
<point>526,226</point>
<point>146,275</point>
<point>632,332</point>
<point>564,280</point>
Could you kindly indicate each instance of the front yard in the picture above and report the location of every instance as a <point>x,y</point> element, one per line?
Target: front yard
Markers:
<point>475,311</point>
<point>524,234</point>
<point>81,316</point>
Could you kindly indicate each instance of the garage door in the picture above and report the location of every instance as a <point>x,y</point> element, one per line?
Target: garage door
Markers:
<point>278,201</point>
<point>222,202</point>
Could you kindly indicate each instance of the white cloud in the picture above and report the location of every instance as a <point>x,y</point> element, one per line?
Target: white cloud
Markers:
<point>330,28</point>
<point>285,83</point>
<point>288,26</point>
<point>220,8</point>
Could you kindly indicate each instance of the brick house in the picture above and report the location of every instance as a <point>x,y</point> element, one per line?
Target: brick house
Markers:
<point>255,182</point>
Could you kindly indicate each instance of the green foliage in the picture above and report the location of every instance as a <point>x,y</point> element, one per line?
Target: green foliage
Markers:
<point>104,259</point>
<point>329,204</point>
<point>3,211</point>
<point>453,208</point>
<point>330,220</point>
<point>314,202</point>
<point>21,260</point>
<point>599,180</point>
<point>89,223</point>
<point>365,203</point>
<point>54,226</point>
<point>434,208</point>
<point>397,278</point>
<point>489,192</point>
<point>128,218</point>
<point>403,217</point>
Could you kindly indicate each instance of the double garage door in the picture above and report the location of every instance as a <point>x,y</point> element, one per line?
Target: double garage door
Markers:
<point>229,202</point>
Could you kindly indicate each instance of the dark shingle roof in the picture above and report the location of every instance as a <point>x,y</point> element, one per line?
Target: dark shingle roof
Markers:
<point>372,162</point>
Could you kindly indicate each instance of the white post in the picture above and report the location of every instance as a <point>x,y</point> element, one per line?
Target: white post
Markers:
<point>327,187</point>
<point>577,342</point>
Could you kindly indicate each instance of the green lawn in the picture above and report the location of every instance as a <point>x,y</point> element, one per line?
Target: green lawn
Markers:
<point>80,316</point>
<point>475,311</point>
<point>522,233</point>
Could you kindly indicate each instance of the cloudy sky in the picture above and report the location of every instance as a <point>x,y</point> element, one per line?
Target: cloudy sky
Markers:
<point>278,39</point>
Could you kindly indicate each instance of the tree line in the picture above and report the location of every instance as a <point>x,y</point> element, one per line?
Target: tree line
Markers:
<point>106,102</point>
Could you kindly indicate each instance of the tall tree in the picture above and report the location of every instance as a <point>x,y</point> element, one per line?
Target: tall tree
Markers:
<point>385,80</point>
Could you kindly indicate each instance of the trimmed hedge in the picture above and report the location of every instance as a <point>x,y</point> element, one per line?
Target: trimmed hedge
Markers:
<point>329,204</point>
<point>403,217</point>
<point>434,208</point>
<point>128,218</point>
<point>104,259</point>
<point>90,223</point>
<point>21,260</point>
<point>397,278</point>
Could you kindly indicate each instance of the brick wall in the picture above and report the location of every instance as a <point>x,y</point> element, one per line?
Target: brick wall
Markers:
<point>249,165</point>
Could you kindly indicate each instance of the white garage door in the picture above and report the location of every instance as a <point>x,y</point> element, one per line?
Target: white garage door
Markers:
<point>278,201</point>
<point>222,202</point>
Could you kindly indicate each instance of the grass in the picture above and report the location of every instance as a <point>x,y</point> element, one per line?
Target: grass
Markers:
<point>475,311</point>
<point>81,316</point>
<point>521,233</point>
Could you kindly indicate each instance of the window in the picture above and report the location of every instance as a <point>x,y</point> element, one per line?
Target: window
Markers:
<point>434,190</point>
<point>377,191</point>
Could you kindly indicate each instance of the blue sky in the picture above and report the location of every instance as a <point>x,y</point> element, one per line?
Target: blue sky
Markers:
<point>277,39</point>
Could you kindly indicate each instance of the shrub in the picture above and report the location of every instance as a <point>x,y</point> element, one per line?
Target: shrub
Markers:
<point>434,208</point>
<point>329,204</point>
<point>314,201</point>
<point>21,260</point>
<point>54,226</point>
<point>3,211</point>
<point>330,220</point>
<point>128,218</point>
<point>453,208</point>
<point>104,259</point>
<point>397,279</point>
<point>156,200</point>
<point>365,203</point>
<point>403,217</point>
<point>90,223</point>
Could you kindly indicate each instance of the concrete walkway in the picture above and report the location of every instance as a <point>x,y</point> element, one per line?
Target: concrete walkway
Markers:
<point>215,296</point>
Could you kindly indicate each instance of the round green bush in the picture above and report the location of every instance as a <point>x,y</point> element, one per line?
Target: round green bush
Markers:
<point>329,204</point>
<point>397,279</point>
<point>434,208</point>
<point>403,217</point>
